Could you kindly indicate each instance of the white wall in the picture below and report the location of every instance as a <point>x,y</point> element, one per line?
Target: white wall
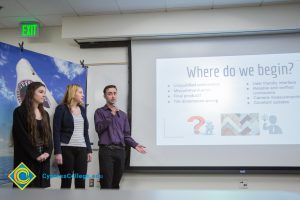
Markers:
<point>140,181</point>
<point>51,44</point>
<point>183,22</point>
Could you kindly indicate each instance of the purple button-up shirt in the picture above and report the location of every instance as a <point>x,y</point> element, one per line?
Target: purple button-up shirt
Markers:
<point>113,129</point>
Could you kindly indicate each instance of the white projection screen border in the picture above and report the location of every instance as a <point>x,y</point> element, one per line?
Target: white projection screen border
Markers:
<point>233,158</point>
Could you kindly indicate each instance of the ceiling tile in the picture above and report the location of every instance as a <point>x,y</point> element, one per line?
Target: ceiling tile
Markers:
<point>50,12</point>
<point>50,20</point>
<point>191,4</point>
<point>141,5</point>
<point>90,7</point>
<point>269,2</point>
<point>11,22</point>
<point>47,7</point>
<point>235,3</point>
<point>11,8</point>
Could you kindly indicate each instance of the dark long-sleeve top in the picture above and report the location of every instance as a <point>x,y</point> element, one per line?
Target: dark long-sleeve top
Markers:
<point>27,152</point>
<point>63,127</point>
<point>113,129</point>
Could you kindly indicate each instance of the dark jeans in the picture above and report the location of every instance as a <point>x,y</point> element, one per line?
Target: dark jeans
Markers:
<point>74,161</point>
<point>112,164</point>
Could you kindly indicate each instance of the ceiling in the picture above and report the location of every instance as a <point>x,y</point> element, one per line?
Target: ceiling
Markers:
<point>50,12</point>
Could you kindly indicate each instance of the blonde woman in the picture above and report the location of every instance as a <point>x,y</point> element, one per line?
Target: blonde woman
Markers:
<point>72,147</point>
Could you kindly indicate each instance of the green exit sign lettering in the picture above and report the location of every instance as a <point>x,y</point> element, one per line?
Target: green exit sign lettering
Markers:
<point>30,29</point>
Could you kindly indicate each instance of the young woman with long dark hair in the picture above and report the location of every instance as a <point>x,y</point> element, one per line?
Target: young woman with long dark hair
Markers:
<point>32,136</point>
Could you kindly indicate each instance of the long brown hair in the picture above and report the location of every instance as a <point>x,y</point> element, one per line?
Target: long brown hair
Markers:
<point>31,118</point>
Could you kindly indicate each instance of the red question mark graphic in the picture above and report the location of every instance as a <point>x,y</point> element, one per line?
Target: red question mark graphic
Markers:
<point>197,126</point>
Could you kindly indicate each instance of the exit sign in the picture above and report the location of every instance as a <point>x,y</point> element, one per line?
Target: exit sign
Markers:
<point>30,29</point>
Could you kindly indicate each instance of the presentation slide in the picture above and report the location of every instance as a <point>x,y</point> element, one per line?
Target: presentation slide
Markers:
<point>228,100</point>
<point>216,102</point>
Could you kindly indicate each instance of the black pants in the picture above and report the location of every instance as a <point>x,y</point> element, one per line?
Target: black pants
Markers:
<point>111,163</point>
<point>74,162</point>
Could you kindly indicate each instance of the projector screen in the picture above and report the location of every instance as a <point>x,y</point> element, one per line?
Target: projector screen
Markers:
<point>217,102</point>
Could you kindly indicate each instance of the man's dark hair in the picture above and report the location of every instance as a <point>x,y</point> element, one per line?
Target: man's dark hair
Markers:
<point>108,87</point>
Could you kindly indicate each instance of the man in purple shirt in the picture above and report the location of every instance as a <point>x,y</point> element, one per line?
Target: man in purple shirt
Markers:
<point>113,130</point>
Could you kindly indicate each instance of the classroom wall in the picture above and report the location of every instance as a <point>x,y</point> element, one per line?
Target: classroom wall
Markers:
<point>51,43</point>
<point>180,23</point>
<point>280,182</point>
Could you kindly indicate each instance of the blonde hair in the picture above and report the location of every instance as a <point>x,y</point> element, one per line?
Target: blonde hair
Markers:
<point>70,94</point>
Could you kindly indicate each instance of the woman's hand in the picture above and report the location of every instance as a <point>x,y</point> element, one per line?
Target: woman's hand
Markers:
<point>58,159</point>
<point>46,155</point>
<point>43,157</point>
<point>89,157</point>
